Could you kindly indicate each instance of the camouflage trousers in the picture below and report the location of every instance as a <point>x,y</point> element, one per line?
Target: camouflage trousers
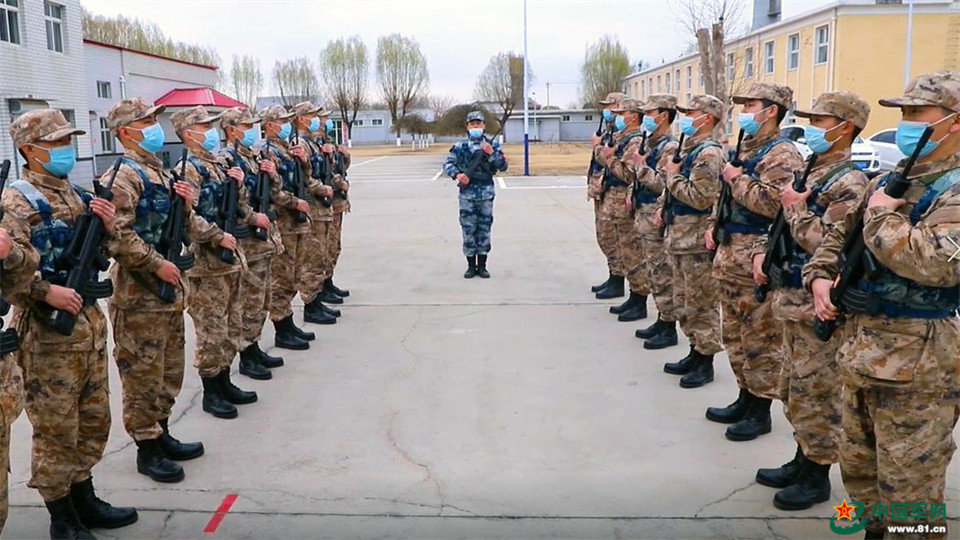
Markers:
<point>214,304</point>
<point>695,299</point>
<point>314,272</point>
<point>752,339</point>
<point>658,267</point>
<point>811,388</point>
<point>255,300</point>
<point>148,351</point>
<point>476,218</point>
<point>607,240</point>
<point>11,404</point>
<point>68,404</point>
<point>286,270</point>
<point>617,220</point>
<point>334,242</point>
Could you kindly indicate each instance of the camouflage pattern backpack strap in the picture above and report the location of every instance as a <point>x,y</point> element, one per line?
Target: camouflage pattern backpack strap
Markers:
<point>34,197</point>
<point>750,165</point>
<point>933,192</point>
<point>830,179</point>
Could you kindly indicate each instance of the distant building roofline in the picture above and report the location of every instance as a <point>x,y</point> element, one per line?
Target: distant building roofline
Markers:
<point>152,55</point>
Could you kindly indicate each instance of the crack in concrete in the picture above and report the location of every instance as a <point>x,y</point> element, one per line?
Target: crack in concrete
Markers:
<point>166,521</point>
<point>173,421</point>
<point>775,534</point>
<point>722,499</point>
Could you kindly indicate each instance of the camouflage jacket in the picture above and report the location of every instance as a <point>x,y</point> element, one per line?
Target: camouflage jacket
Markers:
<point>319,164</point>
<point>651,180</point>
<point>698,191</point>
<point>462,155</point>
<point>286,201</point>
<point>255,249</point>
<point>341,203</point>
<point>828,206</point>
<point>90,331</point>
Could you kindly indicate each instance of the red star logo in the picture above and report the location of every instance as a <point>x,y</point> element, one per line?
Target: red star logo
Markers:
<point>844,510</point>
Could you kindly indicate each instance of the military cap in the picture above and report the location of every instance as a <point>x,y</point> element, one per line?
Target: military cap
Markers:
<point>475,115</point>
<point>323,111</point>
<point>276,113</point>
<point>940,88</point>
<point>238,115</point>
<point>130,110</point>
<point>843,105</point>
<point>630,104</point>
<point>660,101</point>
<point>43,125</point>
<point>191,116</point>
<point>777,93</point>
<point>706,103</point>
<point>613,98</point>
<point>305,108</point>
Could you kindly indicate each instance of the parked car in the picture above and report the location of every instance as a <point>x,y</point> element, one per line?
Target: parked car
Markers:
<point>865,156</point>
<point>885,141</point>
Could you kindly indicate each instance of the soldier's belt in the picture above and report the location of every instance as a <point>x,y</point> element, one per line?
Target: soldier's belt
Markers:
<point>868,303</point>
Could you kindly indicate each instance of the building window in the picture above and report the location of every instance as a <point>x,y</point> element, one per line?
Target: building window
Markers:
<point>701,79</point>
<point>357,123</point>
<point>106,138</point>
<point>376,122</point>
<point>667,81</point>
<point>165,159</point>
<point>768,57</point>
<point>587,117</point>
<point>823,43</point>
<point>793,51</point>
<point>565,118</point>
<point>731,67</point>
<point>748,62</point>
<point>10,21</point>
<point>53,15</point>
<point>104,90</point>
<point>689,78</point>
<point>659,87</point>
<point>676,79</point>
<point>643,89</point>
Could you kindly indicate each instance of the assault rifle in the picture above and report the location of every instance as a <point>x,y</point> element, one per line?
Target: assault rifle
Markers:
<point>261,197</point>
<point>724,203</point>
<point>779,241</point>
<point>9,341</point>
<point>173,238</point>
<point>667,215</point>
<point>636,183</point>
<point>857,262</point>
<point>230,211</point>
<point>299,186</point>
<point>85,258</point>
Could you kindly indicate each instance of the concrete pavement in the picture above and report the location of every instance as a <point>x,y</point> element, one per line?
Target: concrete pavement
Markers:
<point>514,407</point>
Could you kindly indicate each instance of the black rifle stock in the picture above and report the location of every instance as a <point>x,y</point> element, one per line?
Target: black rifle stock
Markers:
<point>84,256</point>
<point>666,215</point>
<point>856,261</point>
<point>724,210</point>
<point>779,241</point>
<point>9,341</point>
<point>174,238</point>
<point>299,186</point>
<point>261,197</point>
<point>230,211</point>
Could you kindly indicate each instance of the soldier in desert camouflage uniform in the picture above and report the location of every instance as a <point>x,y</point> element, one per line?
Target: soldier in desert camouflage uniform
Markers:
<point>606,234</point>
<point>810,381</point>
<point>65,376</point>
<point>148,332</point>
<point>693,188</point>
<point>899,363</point>
<point>751,336</point>
<point>337,156</point>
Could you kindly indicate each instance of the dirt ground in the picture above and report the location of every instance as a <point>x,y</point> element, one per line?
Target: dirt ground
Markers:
<point>546,159</point>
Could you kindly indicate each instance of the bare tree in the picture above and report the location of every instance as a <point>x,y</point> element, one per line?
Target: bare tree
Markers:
<point>439,105</point>
<point>402,75</point>
<point>344,66</point>
<point>143,36</point>
<point>501,82</point>
<point>296,80</point>
<point>246,80</point>
<point>604,66</point>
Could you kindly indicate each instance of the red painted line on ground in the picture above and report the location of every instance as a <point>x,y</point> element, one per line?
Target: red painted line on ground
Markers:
<point>220,513</point>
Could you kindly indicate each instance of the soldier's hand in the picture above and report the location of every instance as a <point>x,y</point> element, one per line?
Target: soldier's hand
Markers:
<point>822,305</point>
<point>185,191</point>
<point>106,211</point>
<point>228,241</point>
<point>628,203</point>
<point>261,220</point>
<point>268,167</point>
<point>327,148</point>
<point>758,276</point>
<point>882,200</point>
<point>708,239</point>
<point>595,139</point>
<point>64,299</point>
<point>607,152</point>
<point>303,206</point>
<point>730,172</point>
<point>6,244</point>
<point>343,185</point>
<point>300,152</point>
<point>236,173</point>
<point>487,148</point>
<point>463,179</point>
<point>672,168</point>
<point>789,197</point>
<point>343,150</point>
<point>168,273</point>
<point>658,217</point>
<point>327,191</point>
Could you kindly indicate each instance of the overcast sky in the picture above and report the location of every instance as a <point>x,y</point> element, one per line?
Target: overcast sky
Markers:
<point>457,36</point>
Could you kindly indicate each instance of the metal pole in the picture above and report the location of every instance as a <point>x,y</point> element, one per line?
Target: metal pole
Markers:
<point>526,99</point>
<point>908,54</point>
<point>548,93</point>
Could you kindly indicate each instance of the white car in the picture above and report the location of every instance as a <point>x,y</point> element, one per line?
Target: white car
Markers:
<point>865,156</point>
<point>885,141</point>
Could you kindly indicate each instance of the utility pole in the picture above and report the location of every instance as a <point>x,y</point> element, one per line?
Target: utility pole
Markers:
<point>908,53</point>
<point>548,93</point>
<point>526,99</point>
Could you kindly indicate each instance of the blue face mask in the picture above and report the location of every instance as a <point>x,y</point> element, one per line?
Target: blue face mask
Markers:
<point>211,139</point>
<point>687,126</point>
<point>619,123</point>
<point>250,137</point>
<point>649,124</point>
<point>475,133</point>
<point>285,131</point>
<point>607,115</point>
<point>817,138</point>
<point>314,125</point>
<point>328,126</point>
<point>748,123</point>
<point>909,133</point>
<point>62,160</point>
<point>153,138</point>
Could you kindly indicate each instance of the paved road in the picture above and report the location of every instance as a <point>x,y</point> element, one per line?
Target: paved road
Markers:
<point>511,407</point>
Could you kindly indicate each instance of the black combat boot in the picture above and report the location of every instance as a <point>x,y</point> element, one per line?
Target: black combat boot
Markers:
<point>312,313</point>
<point>471,267</point>
<point>231,393</point>
<point>64,522</point>
<point>173,448</point>
<point>330,297</point>
<point>306,336</point>
<point>666,337</point>
<point>783,475</point>
<point>811,488</point>
<point>596,288</point>
<point>701,374</point>
<point>267,360</point>
<point>152,462</point>
<point>650,331</point>
<point>632,301</point>
<point>482,266</point>
<point>636,312</point>
<point>95,513</point>
<point>286,338</point>
<point>329,310</point>
<point>213,401</point>
<point>732,413</point>
<point>328,284</point>
<point>250,365</point>
<point>682,366</point>
<point>755,423</point>
<point>613,290</point>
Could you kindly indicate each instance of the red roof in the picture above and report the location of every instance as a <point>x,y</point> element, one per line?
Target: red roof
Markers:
<point>189,97</point>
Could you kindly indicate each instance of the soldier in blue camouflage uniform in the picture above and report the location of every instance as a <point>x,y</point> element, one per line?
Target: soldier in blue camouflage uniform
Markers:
<point>473,163</point>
